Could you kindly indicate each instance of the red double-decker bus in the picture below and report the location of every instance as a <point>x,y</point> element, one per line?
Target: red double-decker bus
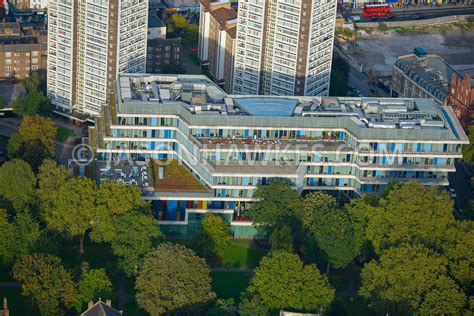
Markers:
<point>376,10</point>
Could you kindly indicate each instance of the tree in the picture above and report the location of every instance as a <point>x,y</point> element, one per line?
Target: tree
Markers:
<point>223,307</point>
<point>93,285</point>
<point>74,209</point>
<point>35,102</point>
<point>332,229</point>
<point>282,281</point>
<point>19,238</point>
<point>115,199</point>
<point>315,202</point>
<point>359,211</point>
<point>135,235</point>
<point>191,34</point>
<point>412,276</point>
<point>34,142</point>
<point>460,252</point>
<point>213,236</point>
<point>31,83</point>
<point>282,239</point>
<point>50,178</point>
<point>468,150</point>
<point>179,21</point>
<point>253,307</point>
<point>278,206</point>
<point>20,192</point>
<point>46,282</point>
<point>411,213</point>
<point>173,279</point>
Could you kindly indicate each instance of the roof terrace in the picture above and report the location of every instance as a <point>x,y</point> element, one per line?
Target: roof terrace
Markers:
<point>199,100</point>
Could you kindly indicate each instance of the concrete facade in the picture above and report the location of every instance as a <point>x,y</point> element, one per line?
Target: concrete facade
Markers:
<point>89,43</point>
<point>284,47</point>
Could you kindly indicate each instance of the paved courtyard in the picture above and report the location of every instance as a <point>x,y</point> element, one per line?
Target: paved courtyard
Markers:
<point>379,50</point>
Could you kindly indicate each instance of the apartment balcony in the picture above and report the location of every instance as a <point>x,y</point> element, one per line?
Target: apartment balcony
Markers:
<point>256,168</point>
<point>326,144</point>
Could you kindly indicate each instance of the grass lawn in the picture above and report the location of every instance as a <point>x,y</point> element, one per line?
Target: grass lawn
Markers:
<point>97,255</point>
<point>63,133</point>
<point>229,284</point>
<point>240,254</point>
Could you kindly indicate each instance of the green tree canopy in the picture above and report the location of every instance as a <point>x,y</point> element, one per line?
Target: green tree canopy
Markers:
<point>21,192</point>
<point>135,235</point>
<point>50,178</point>
<point>253,306</point>
<point>94,284</point>
<point>412,276</point>
<point>115,199</point>
<point>332,229</point>
<point>173,279</point>
<point>213,236</point>
<point>278,206</point>
<point>282,239</point>
<point>34,142</point>
<point>179,21</point>
<point>46,282</point>
<point>19,237</point>
<point>460,252</point>
<point>314,203</point>
<point>31,83</point>
<point>283,281</point>
<point>410,213</point>
<point>35,102</point>
<point>73,209</point>
<point>191,34</point>
<point>468,150</point>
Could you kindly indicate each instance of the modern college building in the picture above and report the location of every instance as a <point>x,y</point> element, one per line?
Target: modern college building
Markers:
<point>89,42</point>
<point>206,151</point>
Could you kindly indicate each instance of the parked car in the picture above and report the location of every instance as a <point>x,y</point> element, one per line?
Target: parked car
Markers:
<point>354,18</point>
<point>453,193</point>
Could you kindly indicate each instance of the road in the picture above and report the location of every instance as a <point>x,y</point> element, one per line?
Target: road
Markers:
<point>357,79</point>
<point>187,60</point>
<point>410,13</point>
<point>459,180</point>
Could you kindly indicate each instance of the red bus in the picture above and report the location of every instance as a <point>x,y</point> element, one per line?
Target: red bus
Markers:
<point>376,10</point>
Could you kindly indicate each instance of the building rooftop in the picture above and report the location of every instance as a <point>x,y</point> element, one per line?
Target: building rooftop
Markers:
<point>101,309</point>
<point>198,100</point>
<point>181,3</point>
<point>154,21</point>
<point>10,29</point>
<point>232,32</point>
<point>222,15</point>
<point>430,71</point>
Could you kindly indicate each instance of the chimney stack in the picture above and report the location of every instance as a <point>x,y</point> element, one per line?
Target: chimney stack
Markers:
<point>90,304</point>
<point>108,303</point>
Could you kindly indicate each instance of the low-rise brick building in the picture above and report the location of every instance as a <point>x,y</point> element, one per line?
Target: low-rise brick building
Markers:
<point>23,51</point>
<point>461,98</point>
<point>161,51</point>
